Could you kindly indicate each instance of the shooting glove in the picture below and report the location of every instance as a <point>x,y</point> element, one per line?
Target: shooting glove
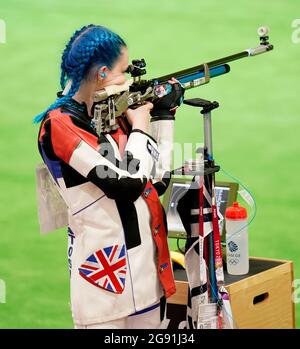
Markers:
<point>165,107</point>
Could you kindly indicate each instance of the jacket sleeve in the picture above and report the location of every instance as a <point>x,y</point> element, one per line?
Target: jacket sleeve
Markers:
<point>124,180</point>
<point>162,130</point>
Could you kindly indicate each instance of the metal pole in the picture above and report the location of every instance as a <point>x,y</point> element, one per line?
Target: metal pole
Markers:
<point>207,125</point>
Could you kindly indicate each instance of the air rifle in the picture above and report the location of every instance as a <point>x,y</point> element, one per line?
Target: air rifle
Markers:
<point>112,101</point>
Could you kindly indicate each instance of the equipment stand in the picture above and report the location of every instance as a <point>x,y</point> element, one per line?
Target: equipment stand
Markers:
<point>209,174</point>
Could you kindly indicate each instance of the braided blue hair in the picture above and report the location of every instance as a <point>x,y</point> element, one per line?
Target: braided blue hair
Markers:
<point>90,46</point>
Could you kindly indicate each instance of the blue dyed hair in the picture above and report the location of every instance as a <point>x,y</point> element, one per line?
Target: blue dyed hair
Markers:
<point>90,46</point>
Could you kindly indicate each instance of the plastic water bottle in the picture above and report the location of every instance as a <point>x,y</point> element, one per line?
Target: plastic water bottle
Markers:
<point>237,254</point>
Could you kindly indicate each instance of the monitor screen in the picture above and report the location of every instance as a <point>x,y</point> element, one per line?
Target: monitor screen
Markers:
<point>226,193</point>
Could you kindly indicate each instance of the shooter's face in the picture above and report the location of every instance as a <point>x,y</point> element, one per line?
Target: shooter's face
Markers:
<point>116,75</point>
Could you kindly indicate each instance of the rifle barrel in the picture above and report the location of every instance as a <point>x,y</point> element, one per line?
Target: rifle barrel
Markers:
<point>196,79</point>
<point>215,63</point>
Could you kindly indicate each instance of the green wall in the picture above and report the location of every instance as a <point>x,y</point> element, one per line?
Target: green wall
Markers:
<point>255,130</point>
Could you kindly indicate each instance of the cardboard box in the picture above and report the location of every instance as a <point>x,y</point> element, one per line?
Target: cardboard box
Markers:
<point>260,299</point>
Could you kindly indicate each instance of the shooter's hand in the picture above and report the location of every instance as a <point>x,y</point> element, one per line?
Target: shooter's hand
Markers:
<point>165,107</point>
<point>139,118</point>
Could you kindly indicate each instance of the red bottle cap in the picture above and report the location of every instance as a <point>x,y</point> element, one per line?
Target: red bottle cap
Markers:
<point>236,212</point>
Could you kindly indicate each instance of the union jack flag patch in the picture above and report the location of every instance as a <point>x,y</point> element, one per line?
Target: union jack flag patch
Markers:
<point>106,268</point>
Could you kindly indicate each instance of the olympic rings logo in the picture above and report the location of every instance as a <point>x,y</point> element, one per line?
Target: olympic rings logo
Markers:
<point>233,261</point>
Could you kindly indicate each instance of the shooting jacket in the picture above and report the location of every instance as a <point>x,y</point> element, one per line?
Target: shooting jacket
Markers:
<point>117,236</point>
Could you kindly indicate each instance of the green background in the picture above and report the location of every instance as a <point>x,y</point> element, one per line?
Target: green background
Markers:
<point>255,131</point>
